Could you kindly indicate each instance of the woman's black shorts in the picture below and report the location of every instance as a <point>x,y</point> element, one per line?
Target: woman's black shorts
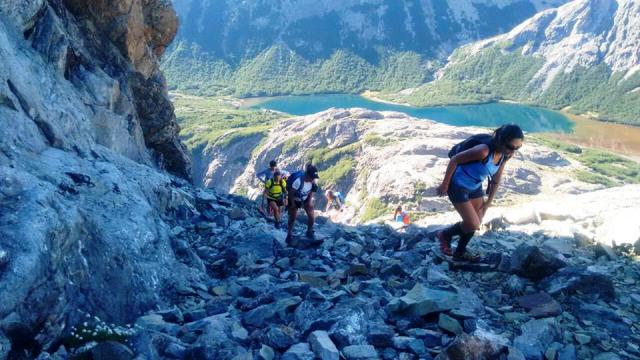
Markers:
<point>459,194</point>
<point>279,202</point>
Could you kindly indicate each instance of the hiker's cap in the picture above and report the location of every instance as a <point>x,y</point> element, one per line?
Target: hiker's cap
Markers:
<point>312,172</point>
<point>273,163</point>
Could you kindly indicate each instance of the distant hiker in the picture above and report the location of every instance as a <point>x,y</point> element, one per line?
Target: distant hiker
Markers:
<point>472,161</point>
<point>275,190</point>
<point>267,173</point>
<point>300,188</point>
<point>334,198</point>
<point>401,216</point>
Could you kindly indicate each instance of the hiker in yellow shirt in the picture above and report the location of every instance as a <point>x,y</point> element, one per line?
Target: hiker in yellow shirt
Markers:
<point>275,189</point>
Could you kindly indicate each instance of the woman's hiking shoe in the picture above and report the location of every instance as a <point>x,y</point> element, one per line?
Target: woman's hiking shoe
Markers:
<point>445,244</point>
<point>467,256</point>
<point>311,235</point>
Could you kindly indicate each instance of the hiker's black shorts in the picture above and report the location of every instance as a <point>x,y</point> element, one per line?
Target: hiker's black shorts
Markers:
<point>458,194</point>
<point>279,202</point>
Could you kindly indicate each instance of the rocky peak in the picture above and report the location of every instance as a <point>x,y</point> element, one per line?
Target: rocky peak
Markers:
<point>582,33</point>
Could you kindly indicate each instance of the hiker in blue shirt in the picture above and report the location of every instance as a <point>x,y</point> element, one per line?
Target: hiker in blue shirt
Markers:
<point>334,198</point>
<point>472,161</point>
<point>267,174</point>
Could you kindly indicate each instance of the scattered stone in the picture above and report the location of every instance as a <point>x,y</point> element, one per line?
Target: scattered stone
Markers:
<point>4,259</point>
<point>266,353</point>
<point>582,339</point>
<point>109,350</point>
<point>533,262</point>
<point>602,317</point>
<point>279,339</point>
<point>607,356</point>
<point>314,278</point>
<point>579,278</point>
<point>176,350</point>
<point>605,250</point>
<point>422,300</point>
<point>173,315</point>
<point>567,353</point>
<point>380,335</point>
<point>322,345</point>
<point>300,351</point>
<point>540,305</point>
<point>480,345</point>
<point>536,337</point>
<point>237,214</point>
<point>360,352</point>
<point>449,324</point>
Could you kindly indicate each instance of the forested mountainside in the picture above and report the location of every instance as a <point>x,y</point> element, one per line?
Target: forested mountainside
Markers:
<point>253,48</point>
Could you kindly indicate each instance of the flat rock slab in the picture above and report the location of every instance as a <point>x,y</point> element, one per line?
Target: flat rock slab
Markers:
<point>423,300</point>
<point>360,352</point>
<point>540,305</point>
<point>322,346</point>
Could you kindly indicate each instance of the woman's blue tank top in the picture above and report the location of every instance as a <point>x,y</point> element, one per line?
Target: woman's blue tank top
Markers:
<point>471,175</point>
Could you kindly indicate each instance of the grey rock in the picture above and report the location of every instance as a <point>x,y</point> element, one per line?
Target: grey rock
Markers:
<point>155,322</point>
<point>567,353</point>
<point>109,350</point>
<point>579,278</point>
<point>350,330</point>
<point>237,214</point>
<point>540,305</point>
<point>300,351</point>
<point>266,353</point>
<point>176,350</point>
<point>422,300</point>
<point>534,263</point>
<point>360,352</point>
<point>380,335</point>
<point>4,259</point>
<point>536,336</point>
<point>481,345</point>
<point>279,339</point>
<point>322,345</point>
<point>602,317</point>
<point>605,250</point>
<point>414,345</point>
<point>449,324</point>
<point>194,315</point>
<point>173,315</point>
<point>607,356</point>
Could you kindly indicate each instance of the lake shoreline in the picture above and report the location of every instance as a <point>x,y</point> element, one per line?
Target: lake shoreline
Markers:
<point>588,131</point>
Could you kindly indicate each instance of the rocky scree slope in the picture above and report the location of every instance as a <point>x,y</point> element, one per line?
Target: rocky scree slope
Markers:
<point>369,292</point>
<point>583,55</point>
<point>85,209</point>
<point>284,47</point>
<point>379,160</point>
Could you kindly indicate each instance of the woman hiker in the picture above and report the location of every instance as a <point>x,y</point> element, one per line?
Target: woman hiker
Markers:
<point>472,161</point>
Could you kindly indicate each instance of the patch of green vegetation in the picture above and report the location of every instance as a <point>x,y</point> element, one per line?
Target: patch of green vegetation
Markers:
<point>335,174</point>
<point>602,163</point>
<point>592,178</point>
<point>420,191</point>
<point>376,140</point>
<point>205,121</point>
<point>242,134</point>
<point>327,157</point>
<point>373,209</point>
<point>291,144</point>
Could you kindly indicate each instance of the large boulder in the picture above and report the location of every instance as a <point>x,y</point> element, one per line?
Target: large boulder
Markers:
<point>536,336</point>
<point>534,263</point>
<point>586,280</point>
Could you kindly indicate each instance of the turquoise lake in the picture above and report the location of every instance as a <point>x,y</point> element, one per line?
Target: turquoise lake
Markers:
<point>531,119</point>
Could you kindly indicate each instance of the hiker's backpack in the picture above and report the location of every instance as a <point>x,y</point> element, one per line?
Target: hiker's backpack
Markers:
<point>470,142</point>
<point>293,177</point>
<point>273,183</point>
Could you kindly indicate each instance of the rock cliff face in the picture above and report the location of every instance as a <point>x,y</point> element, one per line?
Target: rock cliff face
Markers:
<point>85,125</point>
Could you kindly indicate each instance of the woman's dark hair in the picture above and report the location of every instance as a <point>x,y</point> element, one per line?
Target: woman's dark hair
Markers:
<point>506,133</point>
